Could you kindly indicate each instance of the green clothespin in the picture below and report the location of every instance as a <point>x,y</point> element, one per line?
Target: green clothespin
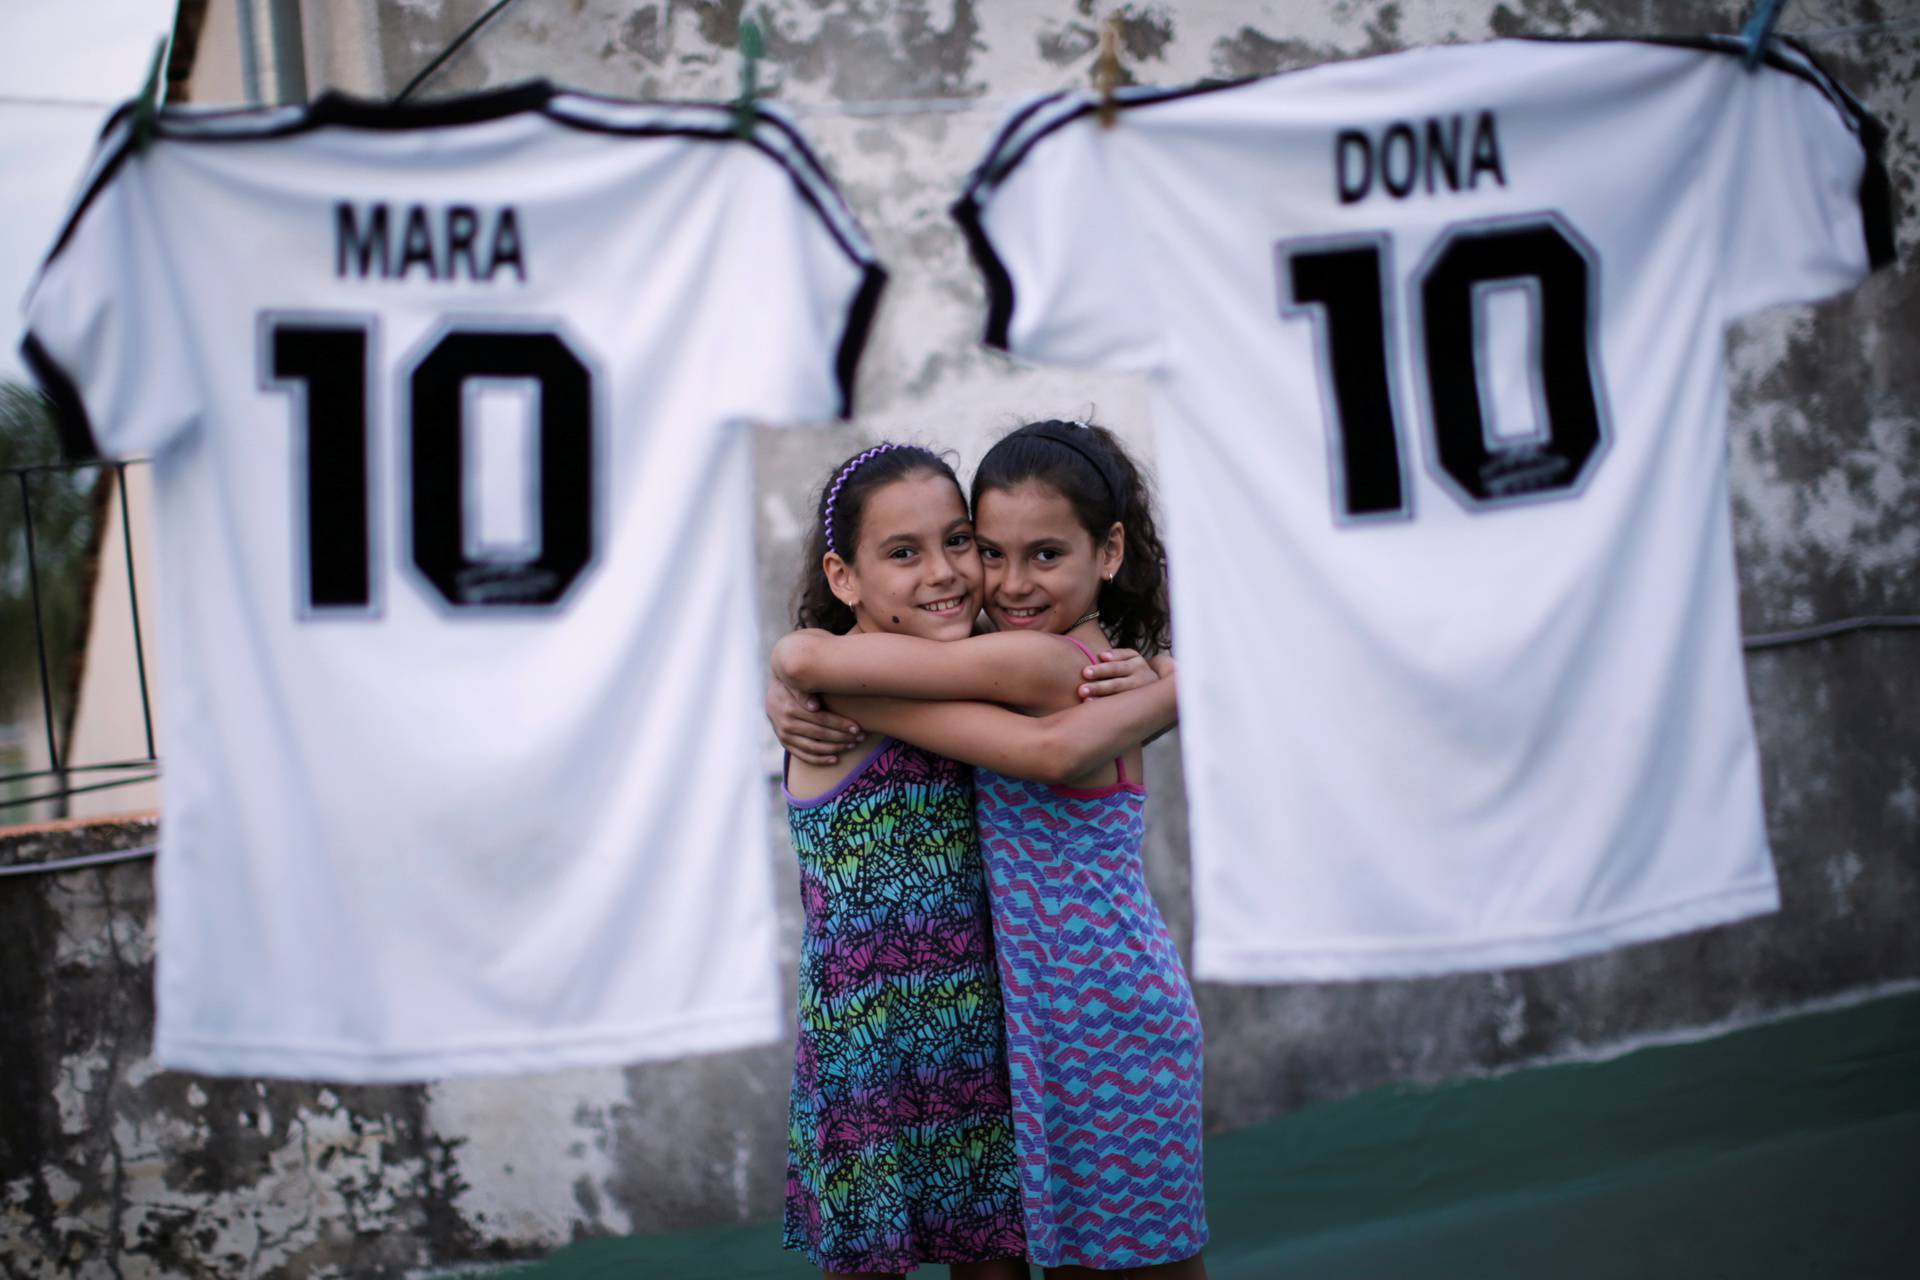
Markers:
<point>750,51</point>
<point>1759,30</point>
<point>146,108</point>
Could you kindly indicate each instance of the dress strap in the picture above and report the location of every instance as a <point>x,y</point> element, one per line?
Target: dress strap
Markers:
<point>1076,644</point>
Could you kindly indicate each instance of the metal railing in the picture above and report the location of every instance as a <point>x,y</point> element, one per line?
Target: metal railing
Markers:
<point>58,781</point>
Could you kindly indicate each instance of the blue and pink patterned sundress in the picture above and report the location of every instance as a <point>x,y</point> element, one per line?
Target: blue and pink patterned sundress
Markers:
<point>900,1143</point>
<point>1103,1036</point>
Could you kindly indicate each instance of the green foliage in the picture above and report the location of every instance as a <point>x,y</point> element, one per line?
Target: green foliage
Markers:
<point>63,504</point>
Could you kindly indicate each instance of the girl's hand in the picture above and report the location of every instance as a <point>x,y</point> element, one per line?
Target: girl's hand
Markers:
<point>1162,664</point>
<point>1117,671</point>
<point>810,733</point>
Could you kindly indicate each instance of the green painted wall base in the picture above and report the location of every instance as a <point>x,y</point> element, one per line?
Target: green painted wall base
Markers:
<point>1790,1150</point>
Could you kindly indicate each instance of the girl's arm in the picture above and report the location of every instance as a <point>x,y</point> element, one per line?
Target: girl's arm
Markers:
<point>815,735</point>
<point>1022,669</point>
<point>1053,748</point>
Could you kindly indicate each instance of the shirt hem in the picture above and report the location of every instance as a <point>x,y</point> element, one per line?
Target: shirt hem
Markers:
<point>1216,963</point>
<point>681,1038</point>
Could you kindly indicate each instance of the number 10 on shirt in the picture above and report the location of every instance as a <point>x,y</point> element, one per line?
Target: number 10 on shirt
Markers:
<point>323,361</point>
<point>1345,287</point>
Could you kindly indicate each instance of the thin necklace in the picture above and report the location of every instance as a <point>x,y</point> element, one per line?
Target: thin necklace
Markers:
<point>1091,615</point>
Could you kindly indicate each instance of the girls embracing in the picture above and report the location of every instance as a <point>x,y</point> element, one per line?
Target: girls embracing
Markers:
<point>999,1056</point>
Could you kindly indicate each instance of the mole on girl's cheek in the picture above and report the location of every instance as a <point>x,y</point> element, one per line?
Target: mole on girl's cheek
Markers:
<point>896,619</point>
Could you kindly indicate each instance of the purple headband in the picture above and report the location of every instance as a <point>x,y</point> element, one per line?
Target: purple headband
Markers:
<point>833,494</point>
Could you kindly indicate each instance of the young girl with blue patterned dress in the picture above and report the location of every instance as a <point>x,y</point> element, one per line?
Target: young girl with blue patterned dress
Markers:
<point>1103,1035</point>
<point>901,1143</point>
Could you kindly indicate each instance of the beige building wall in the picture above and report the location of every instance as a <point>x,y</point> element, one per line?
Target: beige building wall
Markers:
<point>216,59</point>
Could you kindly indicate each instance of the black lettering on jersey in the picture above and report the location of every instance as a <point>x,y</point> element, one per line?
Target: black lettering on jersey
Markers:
<point>1443,152</point>
<point>328,365</point>
<point>462,223</point>
<point>1398,163</point>
<point>360,247</point>
<point>322,362</point>
<point>1344,286</point>
<point>506,246</point>
<point>1352,148</point>
<point>1485,469</point>
<point>458,242</point>
<point>418,248</point>
<point>1486,151</point>
<point>1405,159</point>
<point>437,389</point>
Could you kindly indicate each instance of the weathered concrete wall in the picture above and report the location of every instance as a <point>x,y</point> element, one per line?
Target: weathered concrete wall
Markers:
<point>110,1167</point>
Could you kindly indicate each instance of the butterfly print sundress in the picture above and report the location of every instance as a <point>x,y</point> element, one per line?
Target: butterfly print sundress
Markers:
<point>900,1145</point>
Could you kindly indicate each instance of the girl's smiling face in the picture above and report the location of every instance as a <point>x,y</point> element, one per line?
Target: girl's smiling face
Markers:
<point>1043,569</point>
<point>915,569</point>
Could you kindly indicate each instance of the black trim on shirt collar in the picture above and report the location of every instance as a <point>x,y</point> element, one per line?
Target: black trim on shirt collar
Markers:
<point>803,166</point>
<point>806,170</point>
<point>334,107</point>
<point>1875,195</point>
<point>331,107</point>
<point>996,166</point>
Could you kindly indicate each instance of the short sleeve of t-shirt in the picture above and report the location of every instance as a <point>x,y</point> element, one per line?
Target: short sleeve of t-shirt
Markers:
<point>104,335</point>
<point>804,282</point>
<point>1806,203</point>
<point>1048,222</point>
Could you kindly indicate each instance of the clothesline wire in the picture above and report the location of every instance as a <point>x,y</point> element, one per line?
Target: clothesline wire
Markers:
<point>453,47</point>
<point>889,107</point>
<point>90,104</point>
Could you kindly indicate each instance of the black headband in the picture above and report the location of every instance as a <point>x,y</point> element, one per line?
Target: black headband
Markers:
<point>1052,433</point>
